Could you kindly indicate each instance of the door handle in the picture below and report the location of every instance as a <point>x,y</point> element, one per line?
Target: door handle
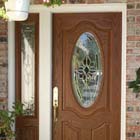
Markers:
<point>55,104</point>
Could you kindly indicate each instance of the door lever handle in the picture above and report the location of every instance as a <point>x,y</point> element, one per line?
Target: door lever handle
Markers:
<point>55,104</point>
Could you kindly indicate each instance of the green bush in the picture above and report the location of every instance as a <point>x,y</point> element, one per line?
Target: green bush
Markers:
<point>7,120</point>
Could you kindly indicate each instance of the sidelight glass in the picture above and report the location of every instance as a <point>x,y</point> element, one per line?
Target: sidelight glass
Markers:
<point>87,69</point>
<point>28,68</point>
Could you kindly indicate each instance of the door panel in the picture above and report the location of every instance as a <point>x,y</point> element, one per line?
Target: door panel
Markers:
<point>101,132</point>
<point>101,120</point>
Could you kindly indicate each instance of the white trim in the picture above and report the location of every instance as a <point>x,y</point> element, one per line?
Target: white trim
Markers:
<point>81,8</point>
<point>11,64</point>
<point>45,69</point>
<point>45,77</point>
<point>123,75</point>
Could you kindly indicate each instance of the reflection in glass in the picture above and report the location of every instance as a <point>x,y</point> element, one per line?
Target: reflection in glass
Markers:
<point>86,69</point>
<point>28,68</point>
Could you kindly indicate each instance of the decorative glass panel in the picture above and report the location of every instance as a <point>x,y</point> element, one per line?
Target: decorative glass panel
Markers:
<point>86,69</point>
<point>28,68</point>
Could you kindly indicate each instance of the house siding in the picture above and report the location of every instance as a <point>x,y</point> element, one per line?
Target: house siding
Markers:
<point>133,63</point>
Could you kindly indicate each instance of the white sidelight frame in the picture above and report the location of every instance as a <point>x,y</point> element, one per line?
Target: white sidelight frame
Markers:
<point>45,60</point>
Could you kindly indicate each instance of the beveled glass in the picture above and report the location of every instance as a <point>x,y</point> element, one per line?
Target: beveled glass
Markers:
<point>28,68</point>
<point>86,69</point>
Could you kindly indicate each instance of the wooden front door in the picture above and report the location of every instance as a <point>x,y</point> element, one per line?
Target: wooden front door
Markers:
<point>87,76</point>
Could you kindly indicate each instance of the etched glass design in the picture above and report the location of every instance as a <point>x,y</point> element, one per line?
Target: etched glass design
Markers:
<point>86,69</point>
<point>28,68</point>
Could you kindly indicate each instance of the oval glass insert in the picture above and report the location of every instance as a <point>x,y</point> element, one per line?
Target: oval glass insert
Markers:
<point>86,69</point>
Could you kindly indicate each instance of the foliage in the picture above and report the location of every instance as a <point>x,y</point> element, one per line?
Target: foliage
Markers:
<point>135,85</point>
<point>3,11</point>
<point>53,3</point>
<point>7,119</point>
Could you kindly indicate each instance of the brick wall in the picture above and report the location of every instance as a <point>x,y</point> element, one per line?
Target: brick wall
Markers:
<point>133,62</point>
<point>3,65</point>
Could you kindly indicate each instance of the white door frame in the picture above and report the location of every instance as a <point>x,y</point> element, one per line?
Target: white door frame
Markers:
<point>45,60</point>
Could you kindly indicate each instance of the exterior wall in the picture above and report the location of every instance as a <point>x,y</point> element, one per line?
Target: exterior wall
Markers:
<point>3,65</point>
<point>133,62</point>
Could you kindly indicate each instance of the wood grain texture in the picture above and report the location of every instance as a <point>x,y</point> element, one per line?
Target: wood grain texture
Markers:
<point>27,126</point>
<point>102,132</point>
<point>101,121</point>
<point>27,133</point>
